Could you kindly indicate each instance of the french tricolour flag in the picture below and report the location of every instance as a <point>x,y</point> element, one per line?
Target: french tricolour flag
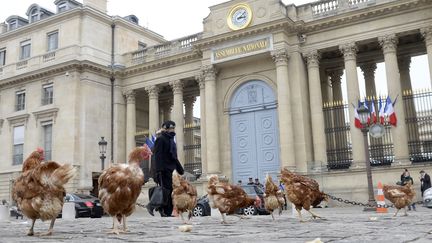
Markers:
<point>357,122</point>
<point>389,111</point>
<point>381,111</point>
<point>373,116</point>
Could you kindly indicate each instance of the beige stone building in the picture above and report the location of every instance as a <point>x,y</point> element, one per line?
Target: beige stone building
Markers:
<point>268,77</point>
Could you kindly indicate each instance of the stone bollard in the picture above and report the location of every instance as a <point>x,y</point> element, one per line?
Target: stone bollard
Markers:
<point>4,213</point>
<point>68,210</point>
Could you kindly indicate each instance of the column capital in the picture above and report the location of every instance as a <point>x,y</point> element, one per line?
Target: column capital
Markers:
<point>153,91</point>
<point>200,81</point>
<point>388,43</point>
<point>177,86</point>
<point>129,96</point>
<point>349,50</point>
<point>368,68</point>
<point>335,76</point>
<point>312,58</point>
<point>427,34</point>
<point>208,72</point>
<point>404,62</point>
<point>280,56</point>
<point>189,100</point>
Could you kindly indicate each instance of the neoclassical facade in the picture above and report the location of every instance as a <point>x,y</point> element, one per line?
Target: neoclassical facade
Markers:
<point>268,77</point>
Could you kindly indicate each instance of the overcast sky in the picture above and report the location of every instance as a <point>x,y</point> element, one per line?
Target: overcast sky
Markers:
<point>177,18</point>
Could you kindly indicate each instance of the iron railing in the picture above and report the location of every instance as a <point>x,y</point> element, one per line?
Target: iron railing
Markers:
<point>338,136</point>
<point>192,148</point>
<point>418,120</point>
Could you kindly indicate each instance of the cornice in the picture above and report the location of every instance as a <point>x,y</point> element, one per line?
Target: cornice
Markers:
<point>56,69</point>
<point>164,62</point>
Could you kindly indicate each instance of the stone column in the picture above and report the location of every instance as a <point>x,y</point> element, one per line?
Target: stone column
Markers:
<point>130,121</point>
<point>189,104</point>
<point>178,117</point>
<point>368,70</point>
<point>338,115</point>
<point>286,134</point>
<point>189,134</point>
<point>335,78</point>
<point>427,35</point>
<point>211,120</point>
<point>166,110</point>
<point>404,63</point>
<point>350,58</point>
<point>325,88</point>
<point>399,133</point>
<point>316,108</point>
<point>153,93</point>
<point>201,83</point>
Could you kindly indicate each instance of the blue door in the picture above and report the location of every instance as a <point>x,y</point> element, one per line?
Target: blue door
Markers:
<point>254,134</point>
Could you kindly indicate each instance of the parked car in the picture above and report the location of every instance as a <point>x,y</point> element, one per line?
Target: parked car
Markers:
<point>427,198</point>
<point>202,208</point>
<point>85,205</point>
<point>256,193</point>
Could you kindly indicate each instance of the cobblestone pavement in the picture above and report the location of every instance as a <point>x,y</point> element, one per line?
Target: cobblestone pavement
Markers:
<point>341,225</point>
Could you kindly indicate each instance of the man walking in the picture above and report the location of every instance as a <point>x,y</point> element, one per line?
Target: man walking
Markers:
<point>166,161</point>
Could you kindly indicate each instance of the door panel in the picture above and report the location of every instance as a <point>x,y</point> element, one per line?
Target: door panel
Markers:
<point>243,143</point>
<point>267,143</point>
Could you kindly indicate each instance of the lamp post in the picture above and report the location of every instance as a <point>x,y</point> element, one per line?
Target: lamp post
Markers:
<point>102,149</point>
<point>363,113</point>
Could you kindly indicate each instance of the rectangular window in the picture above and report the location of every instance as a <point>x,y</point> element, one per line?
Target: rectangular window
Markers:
<point>20,100</point>
<point>47,141</point>
<point>34,17</point>
<point>18,145</point>
<point>25,49</point>
<point>52,41</point>
<point>47,94</point>
<point>2,57</point>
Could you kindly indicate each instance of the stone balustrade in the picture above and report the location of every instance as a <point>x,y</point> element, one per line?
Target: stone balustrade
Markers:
<point>170,48</point>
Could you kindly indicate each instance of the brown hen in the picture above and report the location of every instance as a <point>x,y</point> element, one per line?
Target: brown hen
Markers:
<point>302,191</point>
<point>400,196</point>
<point>39,191</point>
<point>273,197</point>
<point>227,198</point>
<point>120,186</point>
<point>184,196</point>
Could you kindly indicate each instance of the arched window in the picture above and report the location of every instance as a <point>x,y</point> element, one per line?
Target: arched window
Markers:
<point>34,15</point>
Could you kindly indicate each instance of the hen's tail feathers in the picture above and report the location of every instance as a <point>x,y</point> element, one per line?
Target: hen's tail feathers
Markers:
<point>62,175</point>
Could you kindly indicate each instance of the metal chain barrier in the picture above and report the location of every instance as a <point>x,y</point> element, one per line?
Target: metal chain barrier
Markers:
<point>341,200</point>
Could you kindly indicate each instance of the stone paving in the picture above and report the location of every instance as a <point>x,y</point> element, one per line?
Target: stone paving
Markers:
<point>341,225</point>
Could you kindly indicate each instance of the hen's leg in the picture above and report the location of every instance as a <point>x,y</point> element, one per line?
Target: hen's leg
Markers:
<point>50,230</point>
<point>272,215</point>
<point>115,228</point>
<point>300,216</point>
<point>125,229</point>
<point>314,215</point>
<point>405,212</point>
<point>280,210</point>
<point>182,218</point>
<point>397,211</point>
<point>31,232</point>
<point>223,218</point>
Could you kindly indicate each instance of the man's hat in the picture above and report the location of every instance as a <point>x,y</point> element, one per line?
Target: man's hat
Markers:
<point>422,171</point>
<point>168,124</point>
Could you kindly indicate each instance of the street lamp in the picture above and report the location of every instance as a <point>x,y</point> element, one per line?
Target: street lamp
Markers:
<point>102,149</point>
<point>363,113</point>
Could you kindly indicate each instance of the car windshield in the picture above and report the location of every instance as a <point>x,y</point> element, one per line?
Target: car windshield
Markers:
<point>252,190</point>
<point>83,196</point>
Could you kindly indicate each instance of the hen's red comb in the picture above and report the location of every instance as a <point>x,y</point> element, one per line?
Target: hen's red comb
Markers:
<point>40,150</point>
